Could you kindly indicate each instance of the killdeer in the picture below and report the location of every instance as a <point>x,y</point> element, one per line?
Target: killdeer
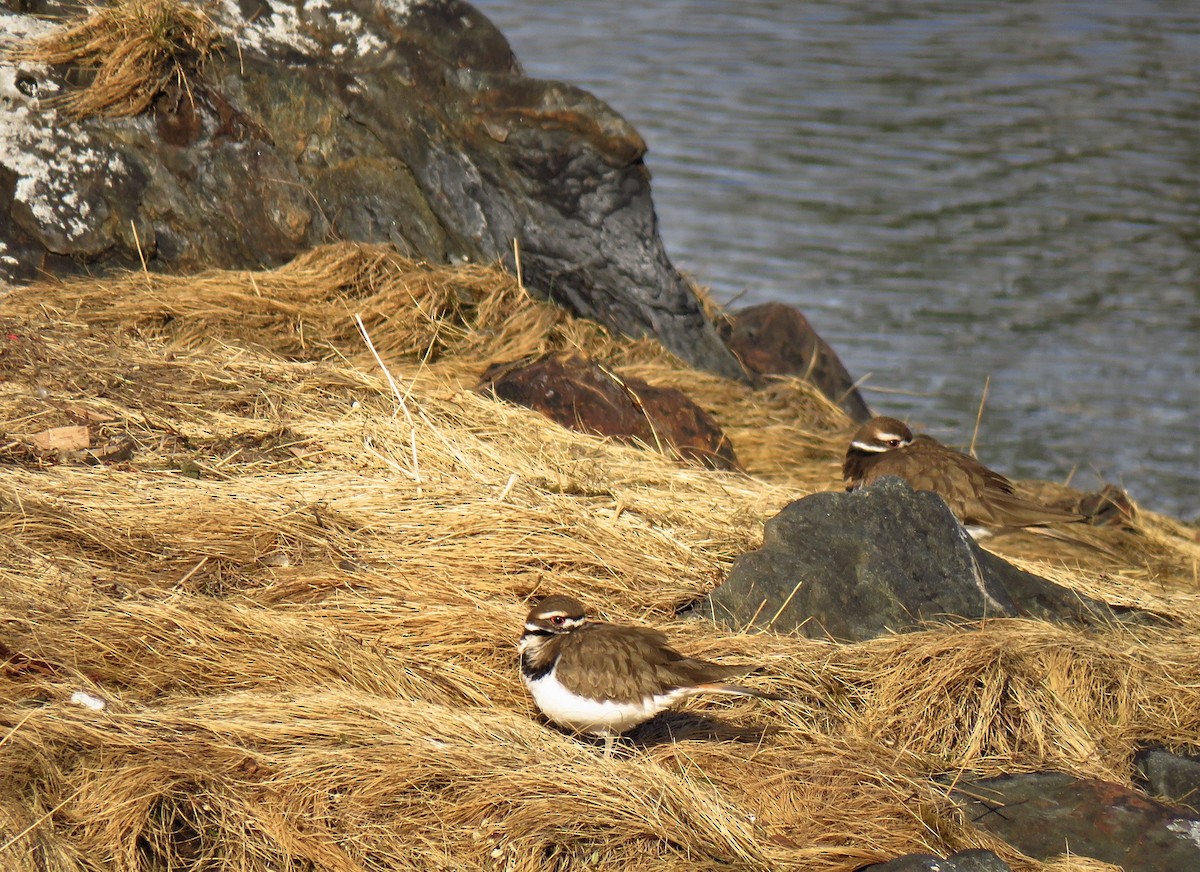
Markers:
<point>604,679</point>
<point>978,497</point>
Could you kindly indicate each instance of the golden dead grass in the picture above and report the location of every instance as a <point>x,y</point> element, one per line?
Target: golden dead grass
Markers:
<point>131,50</point>
<point>300,597</point>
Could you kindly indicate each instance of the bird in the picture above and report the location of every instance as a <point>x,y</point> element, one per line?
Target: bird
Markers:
<point>979,497</point>
<point>603,679</point>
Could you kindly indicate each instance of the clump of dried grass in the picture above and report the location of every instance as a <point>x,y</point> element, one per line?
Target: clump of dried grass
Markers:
<point>308,649</point>
<point>132,51</point>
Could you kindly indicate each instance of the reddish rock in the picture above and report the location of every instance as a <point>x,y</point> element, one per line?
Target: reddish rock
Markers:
<point>776,339</point>
<point>579,393</point>
<point>1048,814</point>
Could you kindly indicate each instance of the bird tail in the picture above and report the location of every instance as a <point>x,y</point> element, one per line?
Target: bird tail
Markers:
<point>738,690</point>
<point>1016,511</point>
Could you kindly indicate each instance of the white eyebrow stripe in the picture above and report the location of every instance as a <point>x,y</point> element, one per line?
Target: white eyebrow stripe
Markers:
<point>567,622</point>
<point>872,447</point>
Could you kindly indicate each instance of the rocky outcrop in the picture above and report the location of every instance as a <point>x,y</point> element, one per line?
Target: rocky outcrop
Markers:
<point>408,123</point>
<point>853,566</point>
<point>578,393</point>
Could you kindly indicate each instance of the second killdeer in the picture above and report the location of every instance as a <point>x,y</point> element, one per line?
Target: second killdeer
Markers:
<point>977,496</point>
<point>604,679</point>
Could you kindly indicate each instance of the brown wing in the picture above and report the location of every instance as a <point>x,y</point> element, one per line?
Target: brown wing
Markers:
<point>1010,510</point>
<point>605,661</point>
<point>974,493</point>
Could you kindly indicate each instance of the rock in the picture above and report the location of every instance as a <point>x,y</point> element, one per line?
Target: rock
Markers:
<point>1106,507</point>
<point>1172,776</point>
<point>1046,814</point>
<point>408,123</point>
<point>776,339</point>
<point>580,394</point>
<point>976,860</point>
<point>854,566</point>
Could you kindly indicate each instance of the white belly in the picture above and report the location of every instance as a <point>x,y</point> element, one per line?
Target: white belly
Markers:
<point>598,717</point>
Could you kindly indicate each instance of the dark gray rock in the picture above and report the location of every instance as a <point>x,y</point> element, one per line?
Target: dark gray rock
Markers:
<point>1172,776</point>
<point>1045,814</point>
<point>408,123</point>
<point>883,558</point>
<point>976,860</point>
<point>908,863</point>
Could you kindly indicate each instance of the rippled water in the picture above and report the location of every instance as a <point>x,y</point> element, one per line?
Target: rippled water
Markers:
<point>949,190</point>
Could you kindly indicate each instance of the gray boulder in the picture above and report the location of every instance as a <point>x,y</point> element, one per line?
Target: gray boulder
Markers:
<point>1173,776</point>
<point>408,123</point>
<point>853,566</point>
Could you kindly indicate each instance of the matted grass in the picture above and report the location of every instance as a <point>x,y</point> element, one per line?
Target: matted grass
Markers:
<point>129,52</point>
<point>301,594</point>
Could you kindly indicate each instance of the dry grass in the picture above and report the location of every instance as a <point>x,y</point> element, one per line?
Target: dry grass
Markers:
<point>130,52</point>
<point>301,596</point>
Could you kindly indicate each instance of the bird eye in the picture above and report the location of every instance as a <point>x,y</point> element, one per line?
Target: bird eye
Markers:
<point>893,443</point>
<point>558,620</point>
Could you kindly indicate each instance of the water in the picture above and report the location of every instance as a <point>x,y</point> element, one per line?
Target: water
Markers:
<point>951,191</point>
